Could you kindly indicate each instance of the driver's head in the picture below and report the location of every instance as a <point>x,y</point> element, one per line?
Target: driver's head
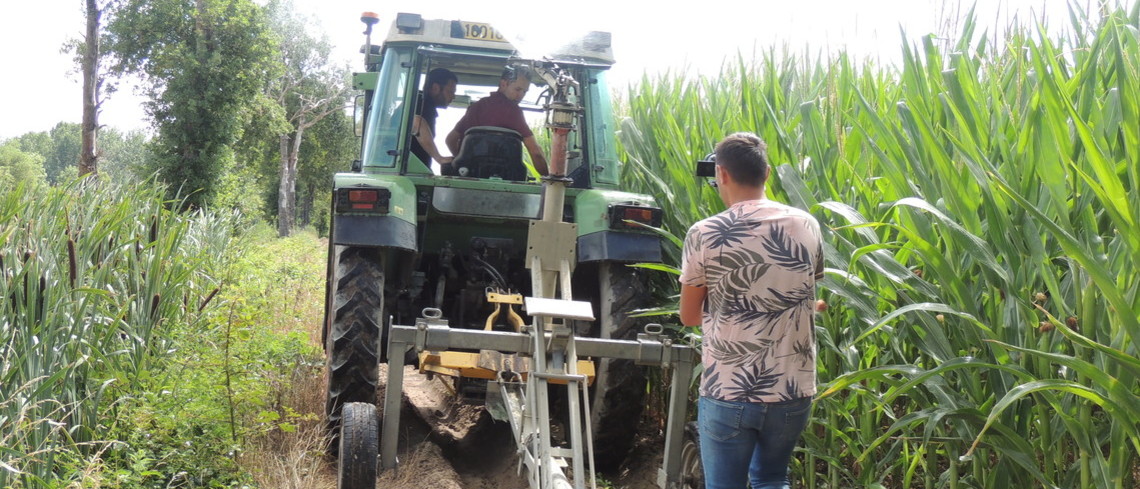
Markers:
<point>515,82</point>
<point>440,86</point>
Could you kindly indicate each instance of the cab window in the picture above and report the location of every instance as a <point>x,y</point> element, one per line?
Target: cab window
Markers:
<point>386,117</point>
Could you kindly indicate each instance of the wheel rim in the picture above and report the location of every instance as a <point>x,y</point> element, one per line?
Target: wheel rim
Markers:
<point>692,473</point>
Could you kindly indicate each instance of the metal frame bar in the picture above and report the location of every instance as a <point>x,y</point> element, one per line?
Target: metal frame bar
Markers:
<point>649,350</point>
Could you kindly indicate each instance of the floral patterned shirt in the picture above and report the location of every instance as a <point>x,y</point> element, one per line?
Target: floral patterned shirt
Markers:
<point>760,260</point>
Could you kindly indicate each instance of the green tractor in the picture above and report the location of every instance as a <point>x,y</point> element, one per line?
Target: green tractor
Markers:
<point>404,238</point>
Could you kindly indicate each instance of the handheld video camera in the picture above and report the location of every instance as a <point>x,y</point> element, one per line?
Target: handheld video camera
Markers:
<point>706,167</point>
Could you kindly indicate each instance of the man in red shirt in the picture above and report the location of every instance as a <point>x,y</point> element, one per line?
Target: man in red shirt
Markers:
<point>501,109</point>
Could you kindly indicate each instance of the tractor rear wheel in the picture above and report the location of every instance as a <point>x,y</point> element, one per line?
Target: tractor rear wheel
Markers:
<point>619,388</point>
<point>354,341</point>
<point>359,447</point>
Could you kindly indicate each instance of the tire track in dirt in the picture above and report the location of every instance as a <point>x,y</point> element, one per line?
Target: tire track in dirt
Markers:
<point>447,444</point>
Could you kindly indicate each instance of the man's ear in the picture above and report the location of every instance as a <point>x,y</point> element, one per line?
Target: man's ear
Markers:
<point>722,175</point>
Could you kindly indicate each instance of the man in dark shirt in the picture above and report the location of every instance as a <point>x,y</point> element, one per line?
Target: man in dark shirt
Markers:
<point>501,109</point>
<point>439,91</point>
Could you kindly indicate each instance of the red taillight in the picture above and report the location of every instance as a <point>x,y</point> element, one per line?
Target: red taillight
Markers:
<point>371,200</point>
<point>644,216</point>
<point>634,216</point>
<point>369,196</point>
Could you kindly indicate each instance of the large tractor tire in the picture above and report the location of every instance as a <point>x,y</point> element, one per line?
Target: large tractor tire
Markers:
<point>359,446</point>
<point>355,331</point>
<point>619,388</point>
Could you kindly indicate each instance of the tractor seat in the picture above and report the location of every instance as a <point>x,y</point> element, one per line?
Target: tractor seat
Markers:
<point>491,152</point>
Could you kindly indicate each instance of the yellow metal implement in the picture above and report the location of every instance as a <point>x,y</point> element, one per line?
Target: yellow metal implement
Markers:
<point>486,365</point>
<point>513,319</point>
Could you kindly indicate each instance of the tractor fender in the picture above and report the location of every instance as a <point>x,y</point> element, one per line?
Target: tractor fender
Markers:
<point>601,237</point>
<point>619,247</point>
<point>389,224</point>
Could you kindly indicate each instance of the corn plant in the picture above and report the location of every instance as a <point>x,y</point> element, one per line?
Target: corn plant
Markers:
<point>981,240</point>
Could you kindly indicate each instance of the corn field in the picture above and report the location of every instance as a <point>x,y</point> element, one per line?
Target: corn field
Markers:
<point>982,242</point>
<point>94,280</point>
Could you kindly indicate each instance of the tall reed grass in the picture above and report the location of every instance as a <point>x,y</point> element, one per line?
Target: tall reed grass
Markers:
<point>982,241</point>
<point>94,280</point>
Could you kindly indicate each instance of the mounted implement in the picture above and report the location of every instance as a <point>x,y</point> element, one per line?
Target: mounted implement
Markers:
<point>514,291</point>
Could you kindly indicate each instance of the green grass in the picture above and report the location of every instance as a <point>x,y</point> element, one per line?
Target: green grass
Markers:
<point>980,209</point>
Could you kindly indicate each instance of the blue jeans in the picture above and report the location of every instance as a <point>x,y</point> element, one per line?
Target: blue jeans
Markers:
<point>745,442</point>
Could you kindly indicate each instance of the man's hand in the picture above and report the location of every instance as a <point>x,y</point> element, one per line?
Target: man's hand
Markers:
<point>536,155</point>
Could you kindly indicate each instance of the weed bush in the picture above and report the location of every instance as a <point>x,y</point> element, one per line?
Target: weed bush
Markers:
<point>95,279</point>
<point>141,347</point>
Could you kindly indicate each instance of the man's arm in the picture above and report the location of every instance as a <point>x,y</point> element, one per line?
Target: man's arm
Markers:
<point>452,141</point>
<point>427,140</point>
<point>536,155</point>
<point>692,304</point>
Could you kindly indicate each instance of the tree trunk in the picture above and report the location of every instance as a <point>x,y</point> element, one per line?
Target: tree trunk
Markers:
<point>307,205</point>
<point>287,191</point>
<point>88,154</point>
<point>285,188</point>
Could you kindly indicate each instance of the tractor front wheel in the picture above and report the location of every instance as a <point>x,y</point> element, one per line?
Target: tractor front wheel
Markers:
<point>359,447</point>
<point>692,471</point>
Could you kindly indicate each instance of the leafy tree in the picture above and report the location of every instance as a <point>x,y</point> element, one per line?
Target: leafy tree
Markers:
<point>309,90</point>
<point>203,63</point>
<point>17,167</point>
<point>123,156</point>
<point>253,186</point>
<point>329,147</point>
<point>39,142</point>
<point>58,149</point>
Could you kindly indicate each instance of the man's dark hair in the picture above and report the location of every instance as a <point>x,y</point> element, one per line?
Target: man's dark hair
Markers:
<point>745,157</point>
<point>441,77</point>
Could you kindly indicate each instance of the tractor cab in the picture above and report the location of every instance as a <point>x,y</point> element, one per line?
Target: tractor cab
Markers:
<point>477,54</point>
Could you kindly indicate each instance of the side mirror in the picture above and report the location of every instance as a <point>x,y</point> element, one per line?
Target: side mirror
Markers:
<point>358,115</point>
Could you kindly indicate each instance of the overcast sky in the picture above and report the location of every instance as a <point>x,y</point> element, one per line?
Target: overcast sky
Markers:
<point>40,86</point>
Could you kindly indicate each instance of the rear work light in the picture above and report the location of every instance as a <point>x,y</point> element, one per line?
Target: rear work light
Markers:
<point>632,216</point>
<point>369,200</point>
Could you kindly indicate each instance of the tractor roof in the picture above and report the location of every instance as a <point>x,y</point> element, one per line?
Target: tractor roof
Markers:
<point>591,49</point>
